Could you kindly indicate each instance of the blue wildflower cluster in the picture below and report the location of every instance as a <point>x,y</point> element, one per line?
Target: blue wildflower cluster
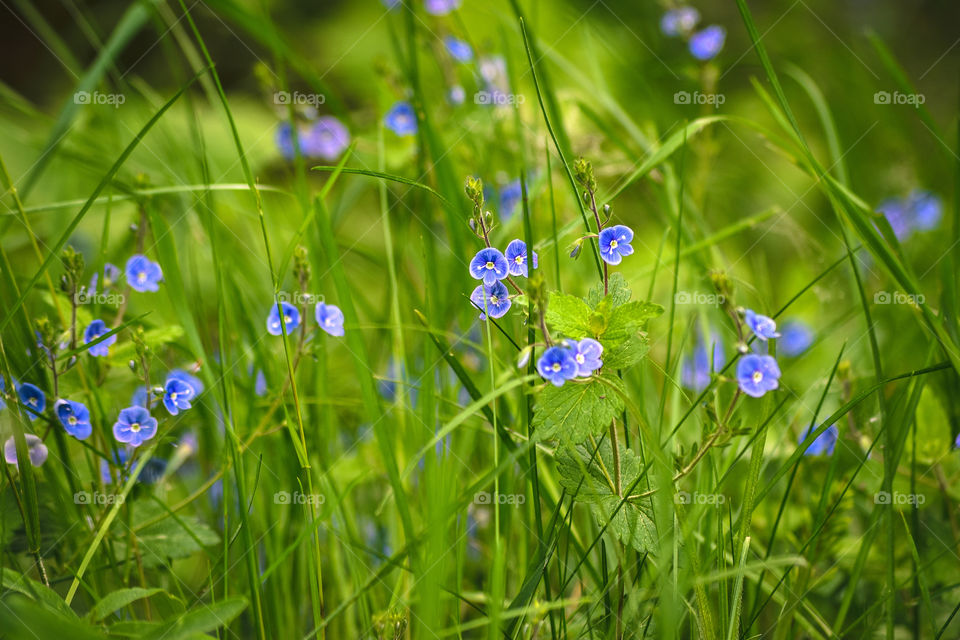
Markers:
<point>682,22</point>
<point>574,359</point>
<point>918,211</point>
<point>324,137</point>
<point>286,319</point>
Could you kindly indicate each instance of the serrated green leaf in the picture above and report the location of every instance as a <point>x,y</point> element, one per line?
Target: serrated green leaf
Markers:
<point>627,353</point>
<point>568,315</point>
<point>627,321</point>
<point>617,292</point>
<point>632,524</point>
<point>576,410</point>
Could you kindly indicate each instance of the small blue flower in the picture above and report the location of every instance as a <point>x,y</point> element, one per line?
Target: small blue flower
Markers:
<point>707,43</point>
<point>823,445</point>
<point>291,319</point>
<point>679,21</point>
<point>696,369</point>
<point>285,140</point>
<point>456,95</point>
<point>401,119</point>
<point>586,353</point>
<point>557,365</point>
<point>143,274</point>
<point>192,380</point>
<point>925,209</point>
<point>3,390</point>
<point>458,49</point>
<point>111,273</point>
<point>35,449</point>
<point>510,196</point>
<point>615,243</point>
<point>75,418</point>
<point>260,384</point>
<point>139,398</point>
<point>134,426</point>
<point>33,399</point>
<point>895,210</point>
<point>757,374</point>
<point>762,326</point>
<point>440,7</point>
<point>93,331</point>
<point>516,255</point>
<point>795,338</point>
<point>326,138</point>
<point>330,318</point>
<point>489,265</point>
<point>497,300</point>
<point>177,395</point>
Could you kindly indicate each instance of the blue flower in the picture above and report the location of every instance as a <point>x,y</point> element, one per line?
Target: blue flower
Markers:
<point>440,7</point>
<point>33,399</point>
<point>143,274</point>
<point>762,326</point>
<point>757,374</point>
<point>897,215</point>
<point>458,49</point>
<point>489,265</point>
<point>177,395</point>
<point>925,209</point>
<point>3,390</point>
<point>139,398</point>
<point>557,365</point>
<point>260,384</point>
<point>285,140</point>
<point>456,95</point>
<point>327,138</point>
<point>192,380</point>
<point>696,369</point>
<point>823,444</point>
<point>330,318</point>
<point>497,300</point>
<point>134,426</point>
<point>75,418</point>
<point>36,450</point>
<point>586,353</point>
<point>111,273</point>
<point>120,458</point>
<point>510,196</point>
<point>707,43</point>
<point>615,243</point>
<point>516,255</point>
<point>93,331</point>
<point>679,21</point>
<point>795,338</point>
<point>291,318</point>
<point>401,119</point>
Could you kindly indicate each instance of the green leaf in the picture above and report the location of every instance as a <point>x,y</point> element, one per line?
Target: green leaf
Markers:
<point>13,581</point>
<point>168,538</point>
<point>631,523</point>
<point>626,321</point>
<point>617,291</point>
<point>627,353</point>
<point>568,315</point>
<point>202,619</point>
<point>24,619</point>
<point>119,599</point>
<point>576,410</point>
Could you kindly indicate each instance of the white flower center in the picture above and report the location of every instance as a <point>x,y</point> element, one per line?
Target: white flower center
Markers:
<point>286,319</point>
<point>32,402</point>
<point>72,420</point>
<point>141,277</point>
<point>757,377</point>
<point>135,427</point>
<point>556,366</point>
<point>494,299</point>
<point>580,358</point>
<point>489,265</point>
<point>613,244</point>
<point>518,259</point>
<point>173,396</point>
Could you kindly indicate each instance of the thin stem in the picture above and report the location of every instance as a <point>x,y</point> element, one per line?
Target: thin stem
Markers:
<point>615,445</point>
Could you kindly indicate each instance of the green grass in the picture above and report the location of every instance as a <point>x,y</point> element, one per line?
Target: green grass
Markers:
<point>417,477</point>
